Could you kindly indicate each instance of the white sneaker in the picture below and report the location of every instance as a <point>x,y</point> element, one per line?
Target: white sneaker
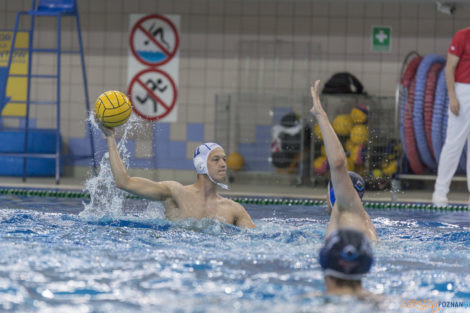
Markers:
<point>439,200</point>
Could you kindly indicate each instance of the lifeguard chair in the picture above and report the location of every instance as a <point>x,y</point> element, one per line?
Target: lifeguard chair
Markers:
<point>43,8</point>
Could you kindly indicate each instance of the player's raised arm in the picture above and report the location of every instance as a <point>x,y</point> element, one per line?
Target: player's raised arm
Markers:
<point>348,210</point>
<point>346,195</point>
<point>136,185</point>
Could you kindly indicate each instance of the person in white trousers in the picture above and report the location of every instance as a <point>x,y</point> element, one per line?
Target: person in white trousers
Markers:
<point>457,74</point>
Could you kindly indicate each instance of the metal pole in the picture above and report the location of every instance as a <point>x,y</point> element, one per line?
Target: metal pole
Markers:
<point>57,144</point>
<point>28,94</point>
<point>85,86</point>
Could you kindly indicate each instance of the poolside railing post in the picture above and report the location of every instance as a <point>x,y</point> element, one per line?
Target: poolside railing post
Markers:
<point>85,86</point>
<point>28,92</point>
<point>57,153</point>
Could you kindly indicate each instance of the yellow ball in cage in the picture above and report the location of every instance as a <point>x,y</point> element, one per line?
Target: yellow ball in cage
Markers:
<point>390,168</point>
<point>359,134</point>
<point>348,145</point>
<point>359,114</point>
<point>320,165</point>
<point>112,108</point>
<point>342,124</point>
<point>350,164</point>
<point>358,154</point>
<point>235,161</point>
<point>377,173</point>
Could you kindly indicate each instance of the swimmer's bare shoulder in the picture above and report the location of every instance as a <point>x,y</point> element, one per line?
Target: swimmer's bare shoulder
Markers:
<point>176,190</point>
<point>187,195</point>
<point>240,215</point>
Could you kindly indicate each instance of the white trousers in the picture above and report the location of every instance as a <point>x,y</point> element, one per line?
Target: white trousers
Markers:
<point>458,132</point>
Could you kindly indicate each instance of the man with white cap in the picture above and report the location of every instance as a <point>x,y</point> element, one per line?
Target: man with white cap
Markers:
<point>199,200</point>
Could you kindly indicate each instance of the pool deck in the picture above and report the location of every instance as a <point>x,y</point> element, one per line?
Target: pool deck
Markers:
<point>457,196</point>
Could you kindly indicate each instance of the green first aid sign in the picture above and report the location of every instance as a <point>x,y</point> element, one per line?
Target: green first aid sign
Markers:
<point>382,38</point>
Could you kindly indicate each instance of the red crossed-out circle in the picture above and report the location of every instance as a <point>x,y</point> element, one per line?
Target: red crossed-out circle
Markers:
<point>138,26</point>
<point>168,107</point>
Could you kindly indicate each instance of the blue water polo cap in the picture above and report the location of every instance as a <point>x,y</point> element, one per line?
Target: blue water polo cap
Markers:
<point>347,254</point>
<point>358,183</point>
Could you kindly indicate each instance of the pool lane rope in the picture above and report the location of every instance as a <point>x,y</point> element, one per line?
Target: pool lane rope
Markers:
<point>50,193</point>
<point>367,204</point>
<point>247,200</point>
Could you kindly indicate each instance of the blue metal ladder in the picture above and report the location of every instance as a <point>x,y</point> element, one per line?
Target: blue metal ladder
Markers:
<point>49,8</point>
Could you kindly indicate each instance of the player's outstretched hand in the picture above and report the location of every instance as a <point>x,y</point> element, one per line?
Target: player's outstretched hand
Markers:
<point>317,107</point>
<point>107,131</point>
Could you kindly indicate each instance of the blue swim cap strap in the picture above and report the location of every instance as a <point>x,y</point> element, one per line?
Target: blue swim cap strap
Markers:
<point>358,184</point>
<point>331,194</point>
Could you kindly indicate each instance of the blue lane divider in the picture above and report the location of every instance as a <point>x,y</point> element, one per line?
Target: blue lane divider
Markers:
<point>418,117</point>
<point>438,114</point>
<point>404,94</point>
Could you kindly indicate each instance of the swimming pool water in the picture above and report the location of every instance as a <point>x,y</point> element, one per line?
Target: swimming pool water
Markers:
<point>54,259</point>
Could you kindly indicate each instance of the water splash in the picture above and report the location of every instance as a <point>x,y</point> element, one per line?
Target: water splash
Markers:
<point>106,200</point>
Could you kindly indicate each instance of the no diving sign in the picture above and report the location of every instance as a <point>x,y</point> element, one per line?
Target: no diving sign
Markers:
<point>153,94</point>
<point>153,66</point>
<point>154,40</point>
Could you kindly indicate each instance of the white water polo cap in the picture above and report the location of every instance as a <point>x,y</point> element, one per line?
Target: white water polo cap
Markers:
<point>200,160</point>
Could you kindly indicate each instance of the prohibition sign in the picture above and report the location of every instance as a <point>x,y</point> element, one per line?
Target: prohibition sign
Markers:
<point>155,87</point>
<point>154,40</point>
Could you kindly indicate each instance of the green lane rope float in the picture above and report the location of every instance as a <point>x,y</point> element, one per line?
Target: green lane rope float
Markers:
<point>51,193</point>
<point>247,200</point>
<point>367,204</point>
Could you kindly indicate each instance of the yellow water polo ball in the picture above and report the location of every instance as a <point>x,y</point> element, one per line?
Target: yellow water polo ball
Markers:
<point>358,154</point>
<point>377,173</point>
<point>342,124</point>
<point>359,114</point>
<point>320,165</point>
<point>390,168</point>
<point>112,108</point>
<point>235,161</point>
<point>350,164</point>
<point>323,150</point>
<point>348,145</point>
<point>359,134</point>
